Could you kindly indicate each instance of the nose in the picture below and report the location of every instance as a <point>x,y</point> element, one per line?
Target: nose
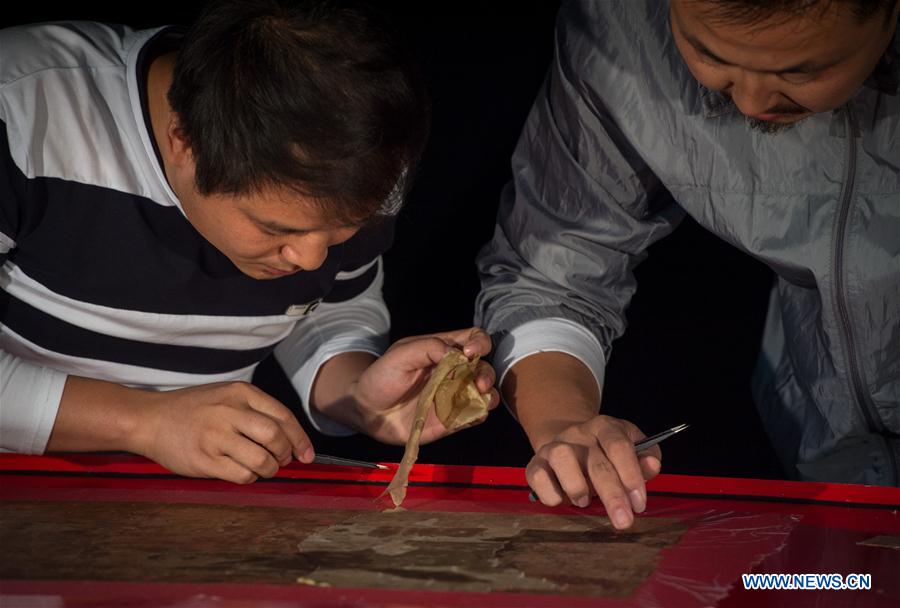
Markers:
<point>753,93</point>
<point>307,252</point>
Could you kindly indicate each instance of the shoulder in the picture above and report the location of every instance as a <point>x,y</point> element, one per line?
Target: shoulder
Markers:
<point>31,49</point>
<point>620,51</point>
<point>614,31</point>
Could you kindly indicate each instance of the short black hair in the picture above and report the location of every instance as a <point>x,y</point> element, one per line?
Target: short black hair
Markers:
<point>319,96</point>
<point>752,12</point>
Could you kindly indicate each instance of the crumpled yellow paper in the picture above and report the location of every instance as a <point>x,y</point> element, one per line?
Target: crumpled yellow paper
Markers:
<point>457,403</point>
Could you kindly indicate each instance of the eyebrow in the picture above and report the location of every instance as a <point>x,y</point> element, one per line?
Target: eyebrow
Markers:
<point>804,67</point>
<point>284,229</point>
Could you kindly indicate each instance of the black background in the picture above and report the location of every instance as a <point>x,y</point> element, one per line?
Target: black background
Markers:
<point>694,325</point>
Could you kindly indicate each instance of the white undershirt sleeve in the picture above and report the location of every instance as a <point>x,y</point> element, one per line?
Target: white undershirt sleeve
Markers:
<point>361,324</point>
<point>550,335</point>
<point>29,401</point>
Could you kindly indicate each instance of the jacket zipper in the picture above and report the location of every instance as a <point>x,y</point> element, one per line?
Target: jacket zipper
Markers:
<point>867,409</point>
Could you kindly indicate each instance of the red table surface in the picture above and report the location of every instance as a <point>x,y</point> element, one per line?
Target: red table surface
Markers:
<point>738,526</point>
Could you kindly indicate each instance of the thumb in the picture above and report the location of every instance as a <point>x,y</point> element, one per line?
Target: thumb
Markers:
<point>420,353</point>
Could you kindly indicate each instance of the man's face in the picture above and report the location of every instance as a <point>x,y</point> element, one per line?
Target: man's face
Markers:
<point>267,235</point>
<point>785,68</point>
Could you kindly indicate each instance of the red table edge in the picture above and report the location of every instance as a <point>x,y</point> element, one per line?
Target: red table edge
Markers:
<point>511,478</point>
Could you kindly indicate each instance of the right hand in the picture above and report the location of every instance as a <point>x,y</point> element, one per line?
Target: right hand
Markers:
<point>595,457</point>
<point>230,430</point>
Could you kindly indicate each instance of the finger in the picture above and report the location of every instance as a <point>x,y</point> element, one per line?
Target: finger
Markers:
<point>485,376</point>
<point>609,489</point>
<point>265,431</point>
<point>227,469</point>
<point>650,465</point>
<point>301,446</point>
<point>478,343</point>
<point>566,465</point>
<point>618,447</point>
<point>472,340</point>
<point>542,480</point>
<point>635,434</point>
<point>251,456</point>
<point>421,352</point>
<point>495,399</point>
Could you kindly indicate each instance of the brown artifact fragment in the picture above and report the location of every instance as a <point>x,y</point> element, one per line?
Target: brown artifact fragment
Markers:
<point>457,403</point>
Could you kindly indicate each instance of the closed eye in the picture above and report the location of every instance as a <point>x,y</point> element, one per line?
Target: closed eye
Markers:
<point>277,231</point>
<point>799,77</point>
<point>710,59</point>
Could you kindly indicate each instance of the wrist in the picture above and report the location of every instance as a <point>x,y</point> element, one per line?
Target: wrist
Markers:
<point>97,416</point>
<point>549,393</point>
<point>375,422</point>
<point>137,421</point>
<point>335,390</point>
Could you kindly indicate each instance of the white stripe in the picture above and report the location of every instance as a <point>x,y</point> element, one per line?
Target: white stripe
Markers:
<point>120,373</point>
<point>88,111</point>
<point>6,243</point>
<point>352,274</point>
<point>207,331</point>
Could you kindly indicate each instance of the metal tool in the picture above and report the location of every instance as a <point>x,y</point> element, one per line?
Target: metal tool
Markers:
<point>639,446</point>
<point>649,442</point>
<point>346,462</point>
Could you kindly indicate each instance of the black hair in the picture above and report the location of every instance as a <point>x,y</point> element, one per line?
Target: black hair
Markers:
<point>318,96</point>
<point>753,12</point>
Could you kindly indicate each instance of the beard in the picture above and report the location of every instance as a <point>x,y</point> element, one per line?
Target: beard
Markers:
<point>768,127</point>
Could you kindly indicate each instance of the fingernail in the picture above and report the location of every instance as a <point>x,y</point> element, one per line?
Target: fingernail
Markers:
<point>469,350</point>
<point>620,518</point>
<point>308,455</point>
<point>582,501</point>
<point>638,500</point>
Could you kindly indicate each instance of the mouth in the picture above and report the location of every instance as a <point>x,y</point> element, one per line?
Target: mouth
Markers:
<point>277,272</point>
<point>781,117</point>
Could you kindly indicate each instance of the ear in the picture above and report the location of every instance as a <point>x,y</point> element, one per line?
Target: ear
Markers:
<point>179,147</point>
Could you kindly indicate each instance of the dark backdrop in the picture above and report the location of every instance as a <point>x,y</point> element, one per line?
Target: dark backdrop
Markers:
<point>694,324</point>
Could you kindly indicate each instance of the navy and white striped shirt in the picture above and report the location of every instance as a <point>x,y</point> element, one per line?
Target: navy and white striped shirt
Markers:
<point>102,274</point>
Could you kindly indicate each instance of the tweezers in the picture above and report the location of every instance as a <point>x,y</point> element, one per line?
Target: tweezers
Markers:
<point>346,462</point>
<point>639,446</point>
<point>649,442</point>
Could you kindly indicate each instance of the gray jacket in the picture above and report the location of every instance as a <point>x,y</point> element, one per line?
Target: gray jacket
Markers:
<point>619,124</point>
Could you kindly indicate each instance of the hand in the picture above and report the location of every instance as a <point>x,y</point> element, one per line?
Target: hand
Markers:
<point>596,456</point>
<point>388,390</point>
<point>231,431</point>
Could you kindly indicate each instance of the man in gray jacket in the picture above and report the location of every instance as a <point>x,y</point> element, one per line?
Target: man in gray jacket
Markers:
<point>773,124</point>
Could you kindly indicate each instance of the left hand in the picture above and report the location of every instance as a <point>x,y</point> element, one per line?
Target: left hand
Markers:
<point>388,390</point>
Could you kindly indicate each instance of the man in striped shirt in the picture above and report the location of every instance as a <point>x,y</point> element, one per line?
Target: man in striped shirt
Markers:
<point>176,205</point>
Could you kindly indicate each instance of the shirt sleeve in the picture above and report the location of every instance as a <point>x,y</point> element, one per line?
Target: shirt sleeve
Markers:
<point>582,206</point>
<point>358,324</point>
<point>549,335</point>
<point>29,393</point>
<point>29,401</point>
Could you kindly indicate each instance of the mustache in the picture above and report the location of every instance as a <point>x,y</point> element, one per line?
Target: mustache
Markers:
<point>787,110</point>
